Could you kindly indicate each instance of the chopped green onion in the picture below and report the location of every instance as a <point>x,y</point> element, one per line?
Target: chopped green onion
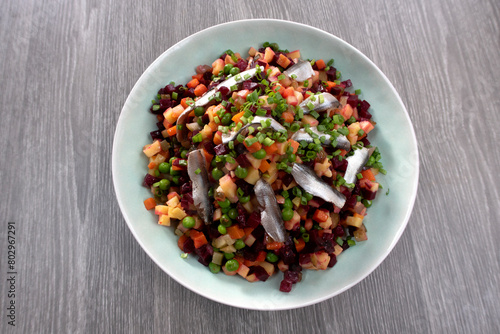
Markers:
<point>198,171</point>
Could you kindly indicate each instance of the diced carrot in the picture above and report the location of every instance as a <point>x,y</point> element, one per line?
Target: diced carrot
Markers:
<point>343,152</point>
<point>208,157</point>
<point>193,83</point>
<point>198,76</point>
<point>150,203</point>
<point>274,245</point>
<point>254,147</point>
<point>249,263</point>
<point>288,116</point>
<point>183,102</point>
<point>177,168</point>
<point>200,90</point>
<point>235,232</point>
<point>213,125</point>
<point>172,131</point>
<point>261,257</point>
<point>166,124</point>
<point>172,195</point>
<point>300,245</point>
<point>321,215</point>
<point>330,85</point>
<point>229,60</point>
<point>367,174</point>
<point>271,149</point>
<point>248,230</point>
<point>320,64</point>
<point>218,138</point>
<point>236,118</point>
<point>294,144</point>
<point>264,166</point>
<point>152,165</point>
<point>199,238</point>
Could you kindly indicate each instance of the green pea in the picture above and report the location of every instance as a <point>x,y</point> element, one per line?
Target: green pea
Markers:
<point>241,172</point>
<point>174,172</point>
<point>175,179</point>
<point>232,265</point>
<point>221,229</point>
<point>188,222</point>
<point>239,244</point>
<point>244,199</point>
<point>217,173</point>
<point>199,111</point>
<point>228,256</point>
<point>226,119</point>
<point>214,268</point>
<point>302,230</point>
<point>225,220</point>
<point>288,203</point>
<point>184,154</point>
<point>271,257</point>
<point>225,203</point>
<point>260,154</point>
<point>287,214</point>
<point>227,68</point>
<point>234,71</point>
<point>164,168</point>
<point>367,203</point>
<point>213,163</point>
<point>164,184</point>
<point>233,213</point>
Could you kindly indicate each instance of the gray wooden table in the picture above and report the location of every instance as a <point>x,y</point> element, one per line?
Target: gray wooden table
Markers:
<point>66,68</point>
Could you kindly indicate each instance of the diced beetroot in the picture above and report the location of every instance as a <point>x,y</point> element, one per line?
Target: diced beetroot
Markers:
<point>363,110</point>
<point>339,165</point>
<point>202,69</point>
<point>205,253</point>
<point>250,85</point>
<point>224,90</point>
<point>338,231</point>
<point>347,83</point>
<point>243,161</point>
<point>295,267</point>
<point>169,89</point>
<point>249,254</point>
<point>221,149</point>
<point>208,145</point>
<point>351,202</point>
<point>291,276</point>
<point>260,272</point>
<point>254,220</point>
<point>331,74</point>
<point>345,245</point>
<point>165,104</point>
<point>156,135</point>
<point>261,63</point>
<point>365,141</point>
<point>160,126</point>
<point>285,286</point>
<point>287,254</point>
<point>259,232</point>
<point>187,200</point>
<point>337,90</point>
<point>304,258</point>
<point>353,100</point>
<point>186,188</point>
<point>368,194</point>
<point>213,231</point>
<point>241,64</point>
<point>149,180</point>
<point>333,260</point>
<point>176,163</point>
<point>205,119</point>
<point>188,246</point>
<point>287,179</point>
<point>329,242</point>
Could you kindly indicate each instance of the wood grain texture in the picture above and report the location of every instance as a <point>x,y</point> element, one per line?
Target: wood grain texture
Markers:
<point>67,68</point>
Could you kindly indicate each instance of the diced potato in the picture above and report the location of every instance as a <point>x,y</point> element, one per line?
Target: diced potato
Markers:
<point>173,202</point>
<point>250,240</point>
<point>229,188</point>
<point>243,270</point>
<point>161,210</point>
<point>229,241</point>
<point>253,175</point>
<point>176,213</point>
<point>152,149</point>
<point>217,258</point>
<point>354,221</point>
<point>164,220</point>
<point>219,242</point>
<point>228,249</point>
<point>268,267</point>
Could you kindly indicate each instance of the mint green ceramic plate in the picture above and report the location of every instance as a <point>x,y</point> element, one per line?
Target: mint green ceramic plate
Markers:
<point>394,136</point>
